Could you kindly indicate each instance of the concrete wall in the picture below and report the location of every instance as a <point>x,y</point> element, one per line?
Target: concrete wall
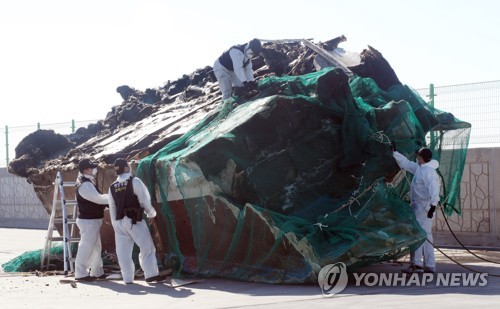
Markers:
<point>479,224</point>
<point>19,205</point>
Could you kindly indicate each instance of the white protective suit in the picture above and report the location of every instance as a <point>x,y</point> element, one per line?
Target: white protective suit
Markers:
<point>127,233</point>
<point>227,78</point>
<point>89,247</point>
<point>424,192</point>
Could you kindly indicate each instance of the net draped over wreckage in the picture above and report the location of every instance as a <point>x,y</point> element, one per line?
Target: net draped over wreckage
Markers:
<point>270,188</point>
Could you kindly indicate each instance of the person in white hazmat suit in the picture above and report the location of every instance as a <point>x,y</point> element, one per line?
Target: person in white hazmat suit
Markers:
<point>234,68</point>
<point>91,204</point>
<point>128,200</point>
<point>424,198</point>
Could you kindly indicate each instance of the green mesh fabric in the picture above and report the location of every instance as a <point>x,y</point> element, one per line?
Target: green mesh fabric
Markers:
<point>298,177</point>
<point>274,187</point>
<point>424,125</point>
<point>30,260</point>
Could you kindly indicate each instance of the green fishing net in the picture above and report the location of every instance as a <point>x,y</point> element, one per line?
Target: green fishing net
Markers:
<point>273,187</point>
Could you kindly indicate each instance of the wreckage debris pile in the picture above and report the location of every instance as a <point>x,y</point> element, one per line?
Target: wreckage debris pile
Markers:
<point>274,187</point>
<point>290,59</point>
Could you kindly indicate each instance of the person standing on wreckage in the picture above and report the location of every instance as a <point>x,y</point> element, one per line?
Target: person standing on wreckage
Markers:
<point>424,198</point>
<point>234,68</point>
<point>91,204</point>
<point>128,200</point>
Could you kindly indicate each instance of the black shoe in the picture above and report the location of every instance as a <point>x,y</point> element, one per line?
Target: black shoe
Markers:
<point>86,278</point>
<point>413,269</point>
<point>158,278</point>
<point>430,270</point>
<point>101,277</point>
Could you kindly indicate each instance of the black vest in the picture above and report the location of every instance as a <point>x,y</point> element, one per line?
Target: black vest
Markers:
<point>226,61</point>
<point>127,203</point>
<point>86,208</point>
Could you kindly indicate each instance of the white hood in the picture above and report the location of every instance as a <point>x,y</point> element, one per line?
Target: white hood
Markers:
<point>434,164</point>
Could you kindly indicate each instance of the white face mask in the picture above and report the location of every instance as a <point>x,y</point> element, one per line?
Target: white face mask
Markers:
<point>249,53</point>
<point>94,171</point>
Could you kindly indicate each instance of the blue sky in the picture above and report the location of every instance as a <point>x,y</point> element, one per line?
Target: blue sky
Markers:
<point>63,59</point>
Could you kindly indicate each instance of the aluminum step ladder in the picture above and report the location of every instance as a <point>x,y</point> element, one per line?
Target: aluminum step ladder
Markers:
<point>60,215</point>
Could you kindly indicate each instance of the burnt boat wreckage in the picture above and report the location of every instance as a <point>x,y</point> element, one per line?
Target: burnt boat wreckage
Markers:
<point>272,188</point>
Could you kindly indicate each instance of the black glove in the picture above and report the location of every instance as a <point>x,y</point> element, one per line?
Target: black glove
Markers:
<point>393,146</point>
<point>250,85</point>
<point>431,211</point>
<point>239,91</point>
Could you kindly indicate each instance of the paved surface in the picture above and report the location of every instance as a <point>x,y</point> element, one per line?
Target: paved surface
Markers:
<point>30,291</point>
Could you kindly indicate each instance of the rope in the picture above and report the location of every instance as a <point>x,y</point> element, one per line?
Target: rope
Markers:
<point>353,200</point>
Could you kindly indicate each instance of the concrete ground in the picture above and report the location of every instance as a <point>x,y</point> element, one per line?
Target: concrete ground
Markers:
<point>31,291</point>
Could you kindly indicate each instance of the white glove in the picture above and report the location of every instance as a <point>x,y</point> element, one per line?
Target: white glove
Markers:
<point>151,214</point>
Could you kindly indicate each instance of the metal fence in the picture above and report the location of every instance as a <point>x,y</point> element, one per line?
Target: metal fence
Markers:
<point>477,103</point>
<point>11,136</point>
